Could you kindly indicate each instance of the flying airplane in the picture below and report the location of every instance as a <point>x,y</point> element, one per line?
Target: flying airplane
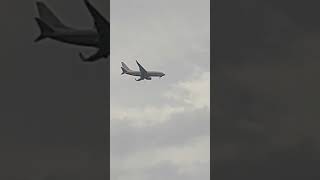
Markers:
<point>144,74</point>
<point>99,37</point>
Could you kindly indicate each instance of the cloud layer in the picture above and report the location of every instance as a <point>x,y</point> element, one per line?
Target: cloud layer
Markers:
<point>266,90</point>
<point>160,128</point>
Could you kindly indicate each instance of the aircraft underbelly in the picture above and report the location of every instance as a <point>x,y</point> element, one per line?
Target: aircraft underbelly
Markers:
<point>134,73</point>
<point>79,40</point>
<point>154,74</point>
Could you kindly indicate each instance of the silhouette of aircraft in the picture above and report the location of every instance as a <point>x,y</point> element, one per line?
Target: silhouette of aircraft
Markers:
<point>51,27</point>
<point>144,74</point>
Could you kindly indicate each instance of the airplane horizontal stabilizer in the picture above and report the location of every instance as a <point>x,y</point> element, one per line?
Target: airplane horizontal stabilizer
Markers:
<point>46,30</point>
<point>124,71</point>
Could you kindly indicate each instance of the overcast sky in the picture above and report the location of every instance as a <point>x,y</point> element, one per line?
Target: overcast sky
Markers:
<point>54,107</point>
<point>160,128</point>
<point>266,121</point>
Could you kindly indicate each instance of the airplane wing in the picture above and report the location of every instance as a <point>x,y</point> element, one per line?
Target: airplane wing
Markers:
<point>144,72</point>
<point>100,54</point>
<point>101,24</point>
<point>139,79</point>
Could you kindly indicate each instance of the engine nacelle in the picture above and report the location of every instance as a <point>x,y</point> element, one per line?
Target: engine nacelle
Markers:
<point>148,78</point>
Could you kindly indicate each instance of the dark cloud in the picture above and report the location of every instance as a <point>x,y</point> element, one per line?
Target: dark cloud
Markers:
<point>266,92</point>
<point>54,108</point>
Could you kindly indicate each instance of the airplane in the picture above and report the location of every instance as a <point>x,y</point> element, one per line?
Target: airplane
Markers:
<point>144,74</point>
<point>99,37</point>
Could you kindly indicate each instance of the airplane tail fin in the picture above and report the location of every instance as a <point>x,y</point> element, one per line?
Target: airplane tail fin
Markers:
<point>47,15</point>
<point>46,30</point>
<point>124,68</point>
<point>124,71</point>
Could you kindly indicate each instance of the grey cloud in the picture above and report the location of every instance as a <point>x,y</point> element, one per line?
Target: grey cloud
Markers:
<point>127,140</point>
<point>265,90</point>
<point>170,172</point>
<point>171,36</point>
<point>165,170</point>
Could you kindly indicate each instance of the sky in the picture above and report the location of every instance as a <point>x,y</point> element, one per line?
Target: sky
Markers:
<point>266,117</point>
<point>266,90</point>
<point>160,128</point>
<point>54,108</point>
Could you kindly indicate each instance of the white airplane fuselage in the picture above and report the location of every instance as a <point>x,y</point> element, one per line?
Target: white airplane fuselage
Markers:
<point>150,73</point>
<point>142,73</point>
